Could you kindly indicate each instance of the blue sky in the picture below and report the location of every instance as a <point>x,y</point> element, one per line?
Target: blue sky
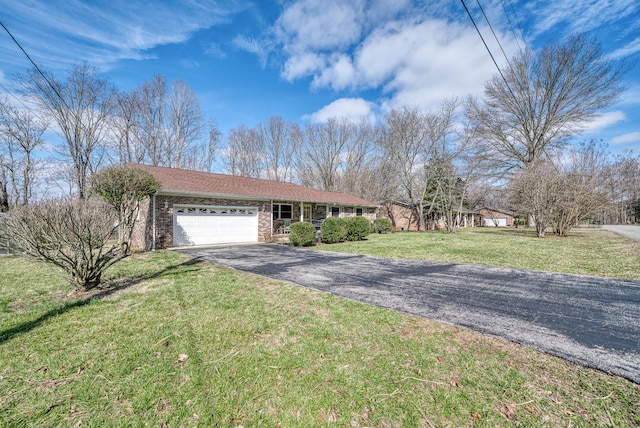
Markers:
<point>314,59</point>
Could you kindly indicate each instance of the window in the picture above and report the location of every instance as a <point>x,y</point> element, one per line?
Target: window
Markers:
<point>359,212</point>
<point>335,211</point>
<point>282,211</point>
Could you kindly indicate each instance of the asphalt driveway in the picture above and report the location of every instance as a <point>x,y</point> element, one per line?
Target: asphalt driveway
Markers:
<point>631,231</point>
<point>587,320</point>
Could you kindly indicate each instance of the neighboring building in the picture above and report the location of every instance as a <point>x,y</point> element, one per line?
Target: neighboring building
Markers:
<point>200,208</point>
<point>403,216</point>
<point>496,218</point>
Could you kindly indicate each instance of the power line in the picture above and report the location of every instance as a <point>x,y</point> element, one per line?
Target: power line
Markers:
<point>11,94</point>
<point>46,79</point>
<point>504,7</point>
<point>488,50</point>
<point>494,33</point>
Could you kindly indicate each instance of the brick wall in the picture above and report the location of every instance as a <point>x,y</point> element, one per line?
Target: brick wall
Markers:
<point>143,238</point>
<point>143,235</point>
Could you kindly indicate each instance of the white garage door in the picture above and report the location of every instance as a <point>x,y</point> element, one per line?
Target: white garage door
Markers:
<point>491,222</point>
<point>204,225</point>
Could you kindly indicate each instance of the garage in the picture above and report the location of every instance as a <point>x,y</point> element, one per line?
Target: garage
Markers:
<point>493,222</point>
<point>203,225</point>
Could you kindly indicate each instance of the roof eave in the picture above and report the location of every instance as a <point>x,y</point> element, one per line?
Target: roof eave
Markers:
<point>188,193</point>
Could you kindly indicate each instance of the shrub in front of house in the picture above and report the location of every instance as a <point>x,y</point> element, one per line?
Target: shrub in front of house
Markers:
<point>334,229</point>
<point>302,235</point>
<point>382,225</point>
<point>358,228</point>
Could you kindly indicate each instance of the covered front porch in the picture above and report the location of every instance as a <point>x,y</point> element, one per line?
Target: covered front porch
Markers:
<point>285,213</point>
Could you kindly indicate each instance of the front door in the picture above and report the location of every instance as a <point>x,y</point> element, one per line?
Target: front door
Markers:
<point>306,213</point>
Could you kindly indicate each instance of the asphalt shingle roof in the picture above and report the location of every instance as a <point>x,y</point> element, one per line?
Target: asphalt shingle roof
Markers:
<point>181,181</point>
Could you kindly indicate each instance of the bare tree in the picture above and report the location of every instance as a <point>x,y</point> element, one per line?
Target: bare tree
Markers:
<point>72,235</point>
<point>359,162</point>
<point>4,188</point>
<point>535,190</point>
<point>80,107</point>
<point>278,140</point>
<point>319,159</point>
<point>423,150</point>
<point>20,135</point>
<point>203,155</point>
<point>623,190</point>
<point>454,162</point>
<point>126,127</point>
<point>170,125</point>
<point>245,154</point>
<point>152,118</point>
<point>585,174</point>
<point>543,98</point>
<point>184,127</point>
<point>405,141</point>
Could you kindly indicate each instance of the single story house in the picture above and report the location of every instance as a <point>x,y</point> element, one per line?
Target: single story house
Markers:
<point>201,208</point>
<point>404,216</point>
<point>496,218</point>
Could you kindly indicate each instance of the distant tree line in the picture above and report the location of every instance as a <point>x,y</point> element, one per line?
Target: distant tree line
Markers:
<point>510,148</point>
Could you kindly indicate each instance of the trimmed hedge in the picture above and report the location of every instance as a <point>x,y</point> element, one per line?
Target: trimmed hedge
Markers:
<point>382,225</point>
<point>302,234</point>
<point>334,230</point>
<point>358,228</point>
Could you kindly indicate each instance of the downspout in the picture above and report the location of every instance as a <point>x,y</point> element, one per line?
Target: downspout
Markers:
<point>271,220</point>
<point>153,239</point>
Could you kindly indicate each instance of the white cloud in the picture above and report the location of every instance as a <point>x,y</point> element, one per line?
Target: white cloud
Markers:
<point>215,50</point>
<point>605,120</point>
<point>412,59</point>
<point>302,65</point>
<point>253,46</point>
<point>338,75</point>
<point>320,25</point>
<point>353,109</point>
<point>630,138</point>
<point>629,49</point>
<point>61,33</point>
<point>579,15</point>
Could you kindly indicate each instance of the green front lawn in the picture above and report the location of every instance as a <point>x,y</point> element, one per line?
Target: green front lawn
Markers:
<point>594,252</point>
<point>186,343</point>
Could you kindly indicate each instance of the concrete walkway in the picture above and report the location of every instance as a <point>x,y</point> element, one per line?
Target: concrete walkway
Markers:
<point>587,320</point>
<point>630,231</point>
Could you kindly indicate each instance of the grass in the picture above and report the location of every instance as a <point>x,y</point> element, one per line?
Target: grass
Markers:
<point>595,252</point>
<point>265,353</point>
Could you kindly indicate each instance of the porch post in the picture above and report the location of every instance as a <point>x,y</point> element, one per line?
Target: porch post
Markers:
<point>301,212</point>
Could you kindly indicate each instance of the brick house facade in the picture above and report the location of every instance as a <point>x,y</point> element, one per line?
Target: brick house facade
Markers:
<point>262,208</point>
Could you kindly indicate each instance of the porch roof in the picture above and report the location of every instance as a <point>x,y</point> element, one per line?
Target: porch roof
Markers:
<point>186,182</point>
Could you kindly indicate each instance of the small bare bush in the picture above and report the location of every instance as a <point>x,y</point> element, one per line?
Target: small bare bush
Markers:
<point>72,235</point>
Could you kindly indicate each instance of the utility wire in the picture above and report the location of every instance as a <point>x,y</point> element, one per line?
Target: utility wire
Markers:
<point>11,94</point>
<point>515,17</point>
<point>488,50</point>
<point>46,79</point>
<point>494,34</point>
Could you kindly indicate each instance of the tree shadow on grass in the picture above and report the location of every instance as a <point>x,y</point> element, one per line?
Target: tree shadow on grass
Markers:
<point>25,327</point>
